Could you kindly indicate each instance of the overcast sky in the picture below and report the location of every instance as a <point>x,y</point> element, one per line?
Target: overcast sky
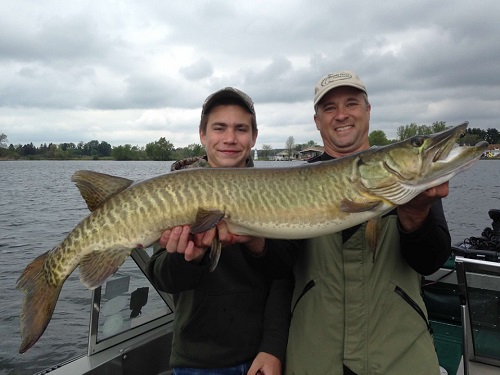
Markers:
<point>130,72</point>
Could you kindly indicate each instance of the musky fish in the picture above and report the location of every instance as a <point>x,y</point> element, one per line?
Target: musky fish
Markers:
<point>292,203</point>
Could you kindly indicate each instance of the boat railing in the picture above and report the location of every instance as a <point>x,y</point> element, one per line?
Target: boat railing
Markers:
<point>479,283</point>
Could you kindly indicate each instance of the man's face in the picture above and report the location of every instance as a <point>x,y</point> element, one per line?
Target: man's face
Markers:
<point>229,138</point>
<point>343,119</point>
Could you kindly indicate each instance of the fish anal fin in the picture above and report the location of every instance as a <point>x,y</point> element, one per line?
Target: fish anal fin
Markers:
<point>206,219</point>
<point>351,206</point>
<point>97,266</point>
<point>96,187</point>
<point>39,302</point>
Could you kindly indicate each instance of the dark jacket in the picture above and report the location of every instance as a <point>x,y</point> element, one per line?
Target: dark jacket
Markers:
<point>225,317</point>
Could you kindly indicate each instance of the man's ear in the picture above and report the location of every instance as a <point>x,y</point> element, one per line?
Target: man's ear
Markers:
<point>254,138</point>
<point>202,137</point>
<point>316,121</point>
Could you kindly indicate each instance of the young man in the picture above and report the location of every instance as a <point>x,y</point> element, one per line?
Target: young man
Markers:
<point>355,310</point>
<point>232,320</point>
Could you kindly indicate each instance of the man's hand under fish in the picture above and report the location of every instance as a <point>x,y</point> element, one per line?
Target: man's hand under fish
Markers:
<point>194,246</point>
<point>413,214</point>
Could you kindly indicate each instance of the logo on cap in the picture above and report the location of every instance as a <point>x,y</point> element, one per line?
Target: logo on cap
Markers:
<point>335,77</point>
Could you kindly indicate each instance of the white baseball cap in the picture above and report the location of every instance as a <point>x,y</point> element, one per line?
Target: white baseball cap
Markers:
<point>337,79</point>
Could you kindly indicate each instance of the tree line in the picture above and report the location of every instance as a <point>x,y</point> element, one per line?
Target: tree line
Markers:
<point>158,150</point>
<point>165,150</point>
<point>471,137</point>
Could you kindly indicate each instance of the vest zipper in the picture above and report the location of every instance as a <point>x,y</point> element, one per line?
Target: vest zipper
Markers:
<point>307,287</point>
<point>414,305</point>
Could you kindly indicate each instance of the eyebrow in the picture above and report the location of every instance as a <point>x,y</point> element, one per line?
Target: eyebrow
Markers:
<point>348,99</point>
<point>239,125</point>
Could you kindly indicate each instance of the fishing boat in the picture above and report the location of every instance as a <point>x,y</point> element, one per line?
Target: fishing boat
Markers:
<point>131,323</point>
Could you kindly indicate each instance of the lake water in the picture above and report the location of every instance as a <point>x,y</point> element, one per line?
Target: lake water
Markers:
<point>39,205</point>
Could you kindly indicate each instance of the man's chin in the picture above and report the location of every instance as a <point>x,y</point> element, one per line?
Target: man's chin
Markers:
<point>230,162</point>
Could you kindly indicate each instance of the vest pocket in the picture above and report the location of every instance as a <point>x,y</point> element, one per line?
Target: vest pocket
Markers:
<point>414,305</point>
<point>307,288</point>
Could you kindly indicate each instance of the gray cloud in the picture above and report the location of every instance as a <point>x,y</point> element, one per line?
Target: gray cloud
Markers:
<point>198,70</point>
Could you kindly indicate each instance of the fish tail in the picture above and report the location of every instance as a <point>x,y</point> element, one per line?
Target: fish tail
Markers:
<point>39,302</point>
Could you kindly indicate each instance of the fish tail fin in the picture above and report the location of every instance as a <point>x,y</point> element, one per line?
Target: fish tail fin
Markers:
<point>39,302</point>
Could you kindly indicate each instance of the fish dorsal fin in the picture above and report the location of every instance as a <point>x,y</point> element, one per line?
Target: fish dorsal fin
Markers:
<point>206,219</point>
<point>97,266</point>
<point>96,187</point>
<point>351,206</point>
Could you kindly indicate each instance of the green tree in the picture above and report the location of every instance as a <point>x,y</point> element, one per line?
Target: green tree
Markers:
<point>104,149</point>
<point>378,138</point>
<point>407,131</point>
<point>266,152</point>
<point>439,126</point>
<point>192,150</point>
<point>28,150</point>
<point>91,148</point>
<point>311,143</point>
<point>160,150</point>
<point>424,130</point>
<point>470,139</point>
<point>67,146</point>
<point>51,153</point>
<point>492,136</point>
<point>128,152</point>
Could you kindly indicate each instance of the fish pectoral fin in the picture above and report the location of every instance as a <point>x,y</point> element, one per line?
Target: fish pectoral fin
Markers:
<point>97,266</point>
<point>351,206</point>
<point>96,187</point>
<point>215,251</point>
<point>206,220</point>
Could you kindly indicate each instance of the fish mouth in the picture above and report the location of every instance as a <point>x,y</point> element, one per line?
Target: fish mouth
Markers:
<point>445,156</point>
<point>444,142</point>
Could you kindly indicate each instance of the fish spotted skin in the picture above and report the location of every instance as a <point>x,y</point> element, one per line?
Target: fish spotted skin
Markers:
<point>292,203</point>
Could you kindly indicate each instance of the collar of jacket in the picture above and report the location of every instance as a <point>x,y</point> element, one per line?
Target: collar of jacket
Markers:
<point>200,162</point>
<point>323,157</point>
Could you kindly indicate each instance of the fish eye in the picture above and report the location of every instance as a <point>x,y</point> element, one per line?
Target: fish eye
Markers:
<point>417,141</point>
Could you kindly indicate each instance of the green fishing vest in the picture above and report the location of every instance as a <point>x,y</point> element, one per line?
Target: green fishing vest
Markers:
<point>358,308</point>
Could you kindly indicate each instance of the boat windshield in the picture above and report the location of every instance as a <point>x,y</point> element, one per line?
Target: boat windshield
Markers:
<point>127,305</point>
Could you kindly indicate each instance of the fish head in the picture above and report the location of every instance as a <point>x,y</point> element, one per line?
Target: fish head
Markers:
<point>403,170</point>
